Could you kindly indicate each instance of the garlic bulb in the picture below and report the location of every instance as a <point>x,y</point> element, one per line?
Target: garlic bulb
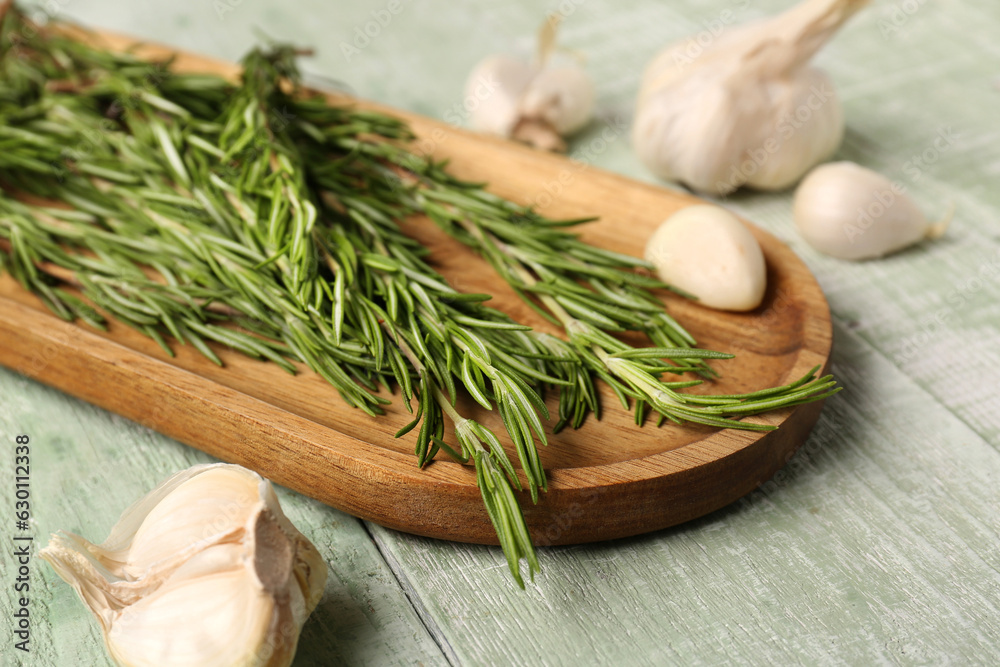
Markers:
<point>706,251</point>
<point>850,212</point>
<point>747,109</point>
<point>538,102</point>
<point>203,570</point>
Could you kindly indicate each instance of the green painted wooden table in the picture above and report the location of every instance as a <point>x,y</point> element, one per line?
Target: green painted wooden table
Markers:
<point>878,543</point>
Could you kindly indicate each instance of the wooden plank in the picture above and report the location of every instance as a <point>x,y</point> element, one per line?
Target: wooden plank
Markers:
<point>88,465</point>
<point>875,545</point>
<point>296,430</point>
<point>821,571</point>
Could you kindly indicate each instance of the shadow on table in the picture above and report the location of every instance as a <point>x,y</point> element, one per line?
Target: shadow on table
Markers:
<point>784,497</point>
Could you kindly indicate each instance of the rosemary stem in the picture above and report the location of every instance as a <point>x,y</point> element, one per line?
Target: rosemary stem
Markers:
<point>457,419</point>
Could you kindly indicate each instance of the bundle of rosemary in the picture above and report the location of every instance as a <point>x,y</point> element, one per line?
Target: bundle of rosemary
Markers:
<point>260,217</point>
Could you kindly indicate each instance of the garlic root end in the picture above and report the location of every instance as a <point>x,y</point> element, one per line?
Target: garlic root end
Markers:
<point>938,229</point>
<point>539,134</point>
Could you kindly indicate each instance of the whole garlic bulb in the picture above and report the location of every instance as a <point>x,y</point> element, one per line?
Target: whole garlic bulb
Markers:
<point>538,102</point>
<point>706,251</point>
<point>850,212</point>
<point>204,570</point>
<point>747,109</point>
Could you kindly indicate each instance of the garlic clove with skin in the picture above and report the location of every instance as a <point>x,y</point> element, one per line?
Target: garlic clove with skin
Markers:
<point>161,629</point>
<point>205,570</point>
<point>706,251</point>
<point>537,103</point>
<point>562,96</point>
<point>847,211</point>
<point>747,109</point>
<point>497,84</point>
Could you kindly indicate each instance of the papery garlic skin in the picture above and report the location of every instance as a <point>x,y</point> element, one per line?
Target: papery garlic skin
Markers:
<point>797,144</point>
<point>747,109</point>
<point>204,570</point>
<point>183,621</point>
<point>538,103</point>
<point>847,211</point>
<point>562,96</point>
<point>494,88</point>
<point>707,252</point>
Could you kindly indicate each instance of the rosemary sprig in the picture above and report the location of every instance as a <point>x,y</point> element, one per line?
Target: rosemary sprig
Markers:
<point>596,285</point>
<point>267,220</point>
<point>213,246</point>
<point>425,321</point>
<point>635,373</point>
<point>588,291</point>
<point>359,189</point>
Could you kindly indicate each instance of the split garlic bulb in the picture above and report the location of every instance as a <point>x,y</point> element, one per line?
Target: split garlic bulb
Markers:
<point>747,109</point>
<point>538,102</point>
<point>204,570</point>
<point>847,211</point>
<point>706,251</point>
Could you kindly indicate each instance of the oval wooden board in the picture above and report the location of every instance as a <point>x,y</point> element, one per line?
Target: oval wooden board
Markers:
<point>608,479</point>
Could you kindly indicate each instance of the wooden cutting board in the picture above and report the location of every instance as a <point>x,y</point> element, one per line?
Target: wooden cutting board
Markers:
<point>608,479</point>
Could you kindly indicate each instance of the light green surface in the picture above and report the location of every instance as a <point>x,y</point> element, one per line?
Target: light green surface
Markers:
<point>878,544</point>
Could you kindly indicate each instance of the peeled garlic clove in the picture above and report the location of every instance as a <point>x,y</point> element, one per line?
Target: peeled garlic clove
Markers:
<point>746,109</point>
<point>205,570</point>
<point>850,212</point>
<point>706,251</point>
<point>538,102</point>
